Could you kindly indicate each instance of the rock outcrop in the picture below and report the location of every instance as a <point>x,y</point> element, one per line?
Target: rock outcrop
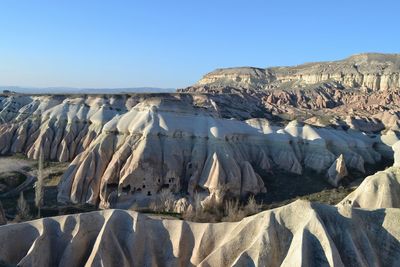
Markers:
<point>201,142</point>
<point>140,144</point>
<point>360,92</point>
<point>380,190</point>
<point>62,126</point>
<point>337,171</point>
<point>370,71</point>
<point>300,234</point>
<point>168,143</point>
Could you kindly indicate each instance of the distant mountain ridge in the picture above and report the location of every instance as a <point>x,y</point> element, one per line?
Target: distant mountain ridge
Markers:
<point>72,90</point>
<point>371,71</point>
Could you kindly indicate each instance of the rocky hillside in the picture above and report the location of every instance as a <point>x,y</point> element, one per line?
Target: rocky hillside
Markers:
<point>361,91</point>
<point>133,146</point>
<point>376,72</point>
<point>166,143</point>
<point>319,235</point>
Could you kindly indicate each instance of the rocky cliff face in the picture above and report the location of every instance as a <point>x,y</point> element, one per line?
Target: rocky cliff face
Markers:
<point>355,92</point>
<point>368,71</point>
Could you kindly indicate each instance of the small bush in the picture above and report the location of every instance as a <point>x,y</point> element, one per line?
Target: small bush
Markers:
<point>233,211</point>
<point>230,211</point>
<point>164,202</point>
<point>251,207</point>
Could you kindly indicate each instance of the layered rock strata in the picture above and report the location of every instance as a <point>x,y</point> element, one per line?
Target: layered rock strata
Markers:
<point>359,92</point>
<point>370,71</point>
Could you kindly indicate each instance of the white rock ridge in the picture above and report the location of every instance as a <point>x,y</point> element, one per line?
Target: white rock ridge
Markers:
<point>380,190</point>
<point>337,171</point>
<point>139,144</point>
<point>62,126</point>
<point>168,143</point>
<point>299,234</point>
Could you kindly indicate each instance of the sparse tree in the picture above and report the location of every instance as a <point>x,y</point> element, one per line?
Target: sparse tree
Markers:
<point>23,212</point>
<point>39,183</point>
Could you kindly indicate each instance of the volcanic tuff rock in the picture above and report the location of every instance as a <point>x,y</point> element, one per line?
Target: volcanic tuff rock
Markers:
<point>299,234</point>
<point>380,190</point>
<point>371,71</point>
<point>354,92</point>
<point>167,143</point>
<point>138,144</point>
<point>337,171</point>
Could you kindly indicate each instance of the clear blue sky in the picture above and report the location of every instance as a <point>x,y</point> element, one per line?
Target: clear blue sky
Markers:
<point>117,43</point>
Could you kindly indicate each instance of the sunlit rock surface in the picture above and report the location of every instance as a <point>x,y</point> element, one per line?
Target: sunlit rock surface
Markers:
<point>360,92</point>
<point>380,190</point>
<point>136,145</point>
<point>371,71</point>
<point>167,143</point>
<point>299,234</point>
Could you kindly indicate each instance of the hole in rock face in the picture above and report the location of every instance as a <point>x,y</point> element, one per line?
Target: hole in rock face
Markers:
<point>144,186</point>
<point>112,186</point>
<point>126,189</point>
<point>165,186</point>
<point>149,193</point>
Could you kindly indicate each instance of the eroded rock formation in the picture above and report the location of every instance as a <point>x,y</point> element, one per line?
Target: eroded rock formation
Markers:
<point>369,71</point>
<point>380,190</point>
<point>168,143</point>
<point>337,171</point>
<point>299,234</point>
<point>214,144</point>
<point>360,92</point>
<point>139,144</point>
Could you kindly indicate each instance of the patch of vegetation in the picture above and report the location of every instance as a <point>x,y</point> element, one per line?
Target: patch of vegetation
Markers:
<point>10,180</point>
<point>229,211</point>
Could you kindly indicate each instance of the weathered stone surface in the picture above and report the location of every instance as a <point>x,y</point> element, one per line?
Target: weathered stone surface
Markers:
<point>360,92</point>
<point>380,190</point>
<point>370,71</point>
<point>167,143</point>
<point>337,171</point>
<point>299,234</point>
<point>138,144</point>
